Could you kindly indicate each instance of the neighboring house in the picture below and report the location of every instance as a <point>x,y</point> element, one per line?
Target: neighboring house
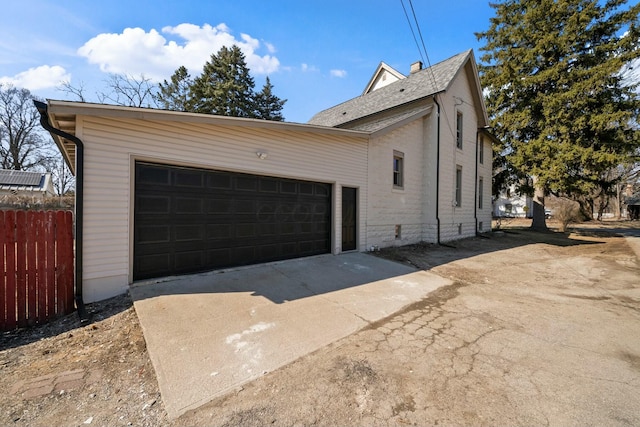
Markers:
<point>170,193</point>
<point>511,204</point>
<point>33,185</point>
<point>632,204</point>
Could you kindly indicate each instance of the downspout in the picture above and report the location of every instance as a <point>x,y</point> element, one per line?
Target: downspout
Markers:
<point>437,170</point>
<point>44,122</point>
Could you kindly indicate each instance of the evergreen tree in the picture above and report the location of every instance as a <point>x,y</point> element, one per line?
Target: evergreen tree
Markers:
<point>556,97</point>
<point>225,86</point>
<point>269,106</point>
<point>176,94</point>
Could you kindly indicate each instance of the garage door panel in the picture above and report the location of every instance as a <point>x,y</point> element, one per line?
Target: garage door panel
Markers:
<point>189,220</point>
<point>153,204</point>
<point>188,205</point>
<point>154,234</point>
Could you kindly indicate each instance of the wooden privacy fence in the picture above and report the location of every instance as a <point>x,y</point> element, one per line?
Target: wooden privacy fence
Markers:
<point>36,251</point>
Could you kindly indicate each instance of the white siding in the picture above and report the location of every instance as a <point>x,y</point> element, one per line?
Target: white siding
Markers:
<point>485,171</point>
<point>458,221</point>
<point>113,144</point>
<point>414,207</point>
<point>389,206</point>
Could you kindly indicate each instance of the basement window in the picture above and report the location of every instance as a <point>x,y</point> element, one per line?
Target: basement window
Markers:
<point>398,231</point>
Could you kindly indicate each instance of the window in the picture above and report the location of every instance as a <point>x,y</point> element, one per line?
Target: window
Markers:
<point>398,170</point>
<point>481,150</point>
<point>398,232</point>
<point>458,201</point>
<point>459,130</point>
<point>480,226</point>
<point>480,187</point>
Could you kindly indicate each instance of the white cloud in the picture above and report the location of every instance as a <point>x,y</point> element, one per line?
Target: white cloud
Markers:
<point>41,77</point>
<point>136,51</point>
<point>271,48</point>
<point>338,73</point>
<point>306,68</point>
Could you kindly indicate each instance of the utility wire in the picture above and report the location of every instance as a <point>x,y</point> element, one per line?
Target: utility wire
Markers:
<point>424,47</point>
<point>411,28</point>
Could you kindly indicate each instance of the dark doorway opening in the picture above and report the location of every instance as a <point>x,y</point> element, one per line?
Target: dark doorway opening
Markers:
<point>349,218</point>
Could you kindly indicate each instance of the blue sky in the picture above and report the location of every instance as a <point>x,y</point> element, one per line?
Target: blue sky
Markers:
<point>317,53</point>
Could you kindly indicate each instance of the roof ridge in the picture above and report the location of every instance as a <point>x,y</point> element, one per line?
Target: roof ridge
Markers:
<point>415,86</point>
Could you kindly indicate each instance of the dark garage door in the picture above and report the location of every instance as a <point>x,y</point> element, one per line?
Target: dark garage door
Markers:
<point>189,220</point>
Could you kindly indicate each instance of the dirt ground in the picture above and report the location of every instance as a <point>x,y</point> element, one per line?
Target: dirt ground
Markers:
<point>537,329</point>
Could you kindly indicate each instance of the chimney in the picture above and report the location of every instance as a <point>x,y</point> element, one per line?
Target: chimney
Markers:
<point>416,66</point>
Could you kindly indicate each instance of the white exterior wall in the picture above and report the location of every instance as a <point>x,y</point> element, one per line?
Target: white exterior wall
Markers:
<point>458,221</point>
<point>389,206</point>
<point>414,206</point>
<point>113,145</point>
<point>485,171</point>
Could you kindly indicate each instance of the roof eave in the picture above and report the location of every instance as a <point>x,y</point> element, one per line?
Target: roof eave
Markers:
<point>57,108</point>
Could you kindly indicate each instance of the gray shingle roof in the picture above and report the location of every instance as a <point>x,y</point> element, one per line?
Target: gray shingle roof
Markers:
<point>416,86</point>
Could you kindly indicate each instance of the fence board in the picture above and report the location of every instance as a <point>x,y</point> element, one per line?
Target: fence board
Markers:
<point>36,250</point>
<point>3,280</point>
<point>10,269</point>
<point>50,227</point>
<point>41,253</point>
<point>26,271</point>
<point>64,260</point>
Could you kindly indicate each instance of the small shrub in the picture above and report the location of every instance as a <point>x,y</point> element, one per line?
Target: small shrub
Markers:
<point>565,211</point>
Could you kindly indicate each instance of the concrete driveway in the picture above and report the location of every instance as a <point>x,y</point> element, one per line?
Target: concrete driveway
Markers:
<point>209,334</point>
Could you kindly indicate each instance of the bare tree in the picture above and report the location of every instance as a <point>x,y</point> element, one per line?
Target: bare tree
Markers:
<point>61,177</point>
<point>75,91</point>
<point>22,144</point>
<point>129,91</point>
<point>120,89</point>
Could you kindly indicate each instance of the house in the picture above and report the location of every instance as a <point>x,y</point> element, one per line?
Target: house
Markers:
<point>632,204</point>
<point>32,185</point>
<point>511,204</point>
<point>162,193</point>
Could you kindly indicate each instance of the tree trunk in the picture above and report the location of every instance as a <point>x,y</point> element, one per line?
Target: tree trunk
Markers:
<point>539,222</point>
<point>618,205</point>
<point>586,208</point>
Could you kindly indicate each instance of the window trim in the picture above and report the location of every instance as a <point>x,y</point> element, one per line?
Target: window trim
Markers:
<point>399,156</point>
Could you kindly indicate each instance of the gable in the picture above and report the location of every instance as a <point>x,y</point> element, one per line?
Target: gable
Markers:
<point>383,76</point>
<point>416,86</point>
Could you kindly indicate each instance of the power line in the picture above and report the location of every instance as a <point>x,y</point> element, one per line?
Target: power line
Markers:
<point>411,28</point>
<point>424,47</point>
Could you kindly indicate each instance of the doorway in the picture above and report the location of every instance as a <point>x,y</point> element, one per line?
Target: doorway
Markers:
<point>349,218</point>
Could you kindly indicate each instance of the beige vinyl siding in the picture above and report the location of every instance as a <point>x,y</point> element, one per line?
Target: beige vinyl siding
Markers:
<point>113,144</point>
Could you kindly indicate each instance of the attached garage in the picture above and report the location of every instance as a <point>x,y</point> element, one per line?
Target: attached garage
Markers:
<point>190,220</point>
<point>169,193</point>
